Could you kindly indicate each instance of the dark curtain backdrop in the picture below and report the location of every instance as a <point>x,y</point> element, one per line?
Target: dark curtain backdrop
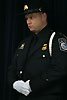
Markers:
<point>13,30</point>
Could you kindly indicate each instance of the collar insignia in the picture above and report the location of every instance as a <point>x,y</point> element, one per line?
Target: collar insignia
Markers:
<point>44,47</point>
<point>22,46</point>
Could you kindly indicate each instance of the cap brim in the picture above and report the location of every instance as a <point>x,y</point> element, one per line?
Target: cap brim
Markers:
<point>32,11</point>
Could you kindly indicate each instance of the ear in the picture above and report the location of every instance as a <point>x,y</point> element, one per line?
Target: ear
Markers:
<point>45,15</point>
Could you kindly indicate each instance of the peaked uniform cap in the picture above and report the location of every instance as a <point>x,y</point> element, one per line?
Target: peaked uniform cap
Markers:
<point>34,6</point>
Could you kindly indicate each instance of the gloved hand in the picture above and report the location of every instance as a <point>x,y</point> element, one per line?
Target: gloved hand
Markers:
<point>22,87</point>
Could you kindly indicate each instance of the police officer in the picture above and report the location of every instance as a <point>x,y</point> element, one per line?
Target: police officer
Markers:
<point>38,70</point>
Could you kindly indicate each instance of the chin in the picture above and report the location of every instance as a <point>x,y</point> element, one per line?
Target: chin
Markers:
<point>32,30</point>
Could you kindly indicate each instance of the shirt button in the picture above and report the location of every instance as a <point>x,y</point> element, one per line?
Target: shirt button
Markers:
<point>17,54</point>
<point>43,56</point>
<point>20,72</point>
<point>46,79</point>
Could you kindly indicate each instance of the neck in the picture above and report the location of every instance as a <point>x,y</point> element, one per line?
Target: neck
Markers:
<point>40,29</point>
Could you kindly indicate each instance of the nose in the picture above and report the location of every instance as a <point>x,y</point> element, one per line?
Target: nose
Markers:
<point>28,21</point>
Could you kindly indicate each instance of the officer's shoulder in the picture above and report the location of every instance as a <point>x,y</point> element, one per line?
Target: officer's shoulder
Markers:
<point>61,35</point>
<point>61,39</point>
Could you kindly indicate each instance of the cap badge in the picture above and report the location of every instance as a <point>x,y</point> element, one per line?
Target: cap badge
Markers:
<point>44,47</point>
<point>25,7</point>
<point>40,9</point>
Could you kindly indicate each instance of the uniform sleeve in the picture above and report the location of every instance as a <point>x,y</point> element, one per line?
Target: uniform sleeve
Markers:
<point>12,94</point>
<point>56,71</point>
<point>12,72</point>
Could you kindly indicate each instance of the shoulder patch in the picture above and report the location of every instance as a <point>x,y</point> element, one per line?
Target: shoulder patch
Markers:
<point>63,44</point>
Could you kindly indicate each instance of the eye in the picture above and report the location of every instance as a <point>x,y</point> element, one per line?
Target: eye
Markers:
<point>31,17</point>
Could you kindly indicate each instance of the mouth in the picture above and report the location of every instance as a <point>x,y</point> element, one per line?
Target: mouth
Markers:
<point>29,26</point>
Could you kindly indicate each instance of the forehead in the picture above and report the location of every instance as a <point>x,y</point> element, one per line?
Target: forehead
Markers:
<point>32,14</point>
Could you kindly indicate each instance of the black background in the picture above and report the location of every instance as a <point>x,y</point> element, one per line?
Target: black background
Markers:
<point>13,30</point>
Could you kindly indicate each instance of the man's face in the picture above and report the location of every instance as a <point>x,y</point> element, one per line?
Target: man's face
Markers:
<point>35,21</point>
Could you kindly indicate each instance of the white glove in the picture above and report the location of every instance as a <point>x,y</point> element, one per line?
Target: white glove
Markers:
<point>22,87</point>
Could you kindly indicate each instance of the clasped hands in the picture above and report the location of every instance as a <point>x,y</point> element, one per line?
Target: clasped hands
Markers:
<point>22,87</point>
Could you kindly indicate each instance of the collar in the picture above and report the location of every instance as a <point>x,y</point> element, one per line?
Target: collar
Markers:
<point>44,34</point>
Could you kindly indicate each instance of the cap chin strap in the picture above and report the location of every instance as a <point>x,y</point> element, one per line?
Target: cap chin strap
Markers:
<point>50,43</point>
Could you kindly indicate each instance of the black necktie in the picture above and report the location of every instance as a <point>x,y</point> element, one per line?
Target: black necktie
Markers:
<point>33,42</point>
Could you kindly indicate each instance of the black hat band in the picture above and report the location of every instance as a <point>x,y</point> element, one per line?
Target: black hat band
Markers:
<point>34,11</point>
